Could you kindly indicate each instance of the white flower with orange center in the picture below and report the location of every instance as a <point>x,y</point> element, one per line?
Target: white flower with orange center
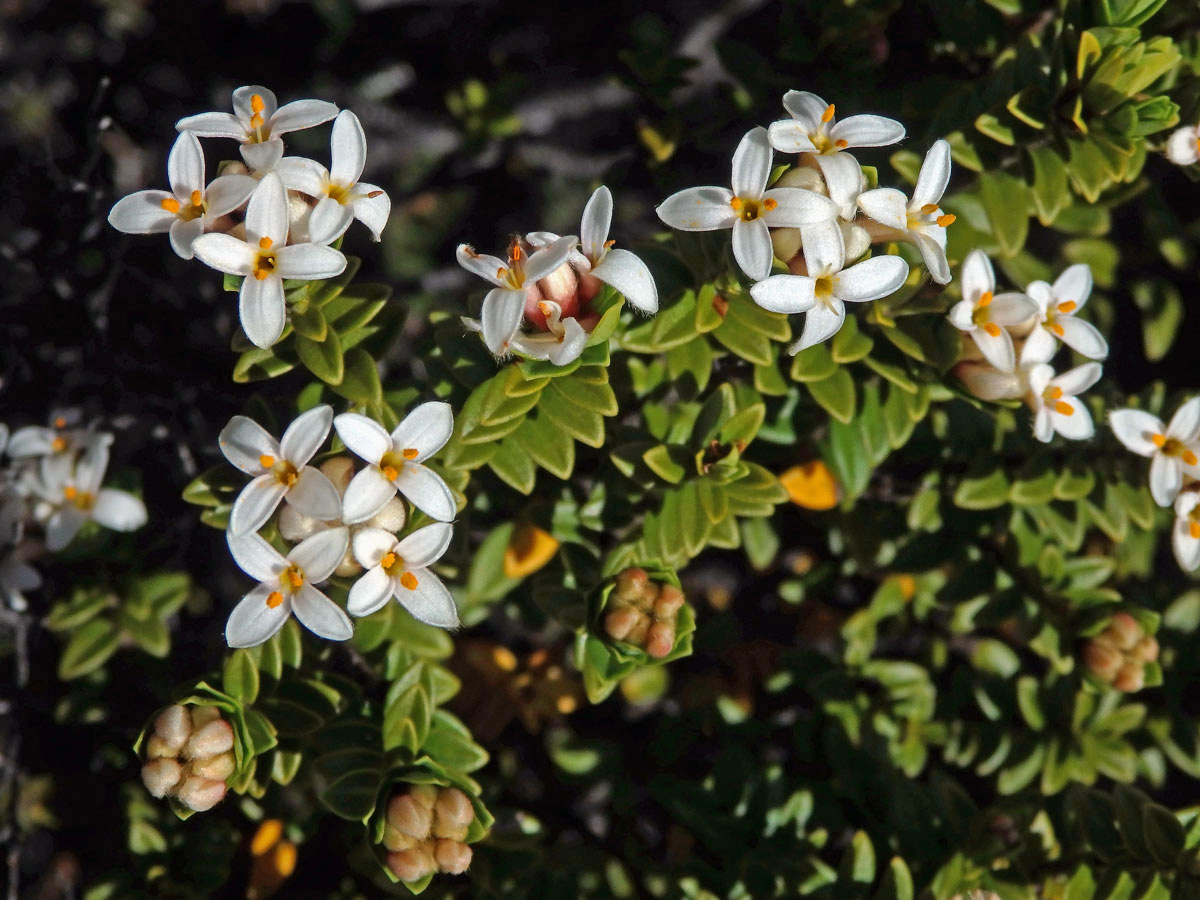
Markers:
<point>1185,536</point>
<point>823,293</point>
<point>286,586</point>
<point>257,121</point>
<point>63,437</point>
<point>341,197</point>
<point>280,469</point>
<point>1183,146</point>
<point>400,569</point>
<point>264,259</point>
<point>814,129</point>
<point>750,209</point>
<point>1173,449</point>
<point>1057,305</point>
<point>74,489</point>
<point>920,221</point>
<point>983,314</point>
<point>504,305</point>
<point>1055,401</point>
<point>395,462</point>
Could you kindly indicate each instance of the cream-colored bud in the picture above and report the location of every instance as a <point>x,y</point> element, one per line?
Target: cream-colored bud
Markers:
<point>215,737</point>
<point>157,748</point>
<point>667,606</point>
<point>409,817</point>
<point>392,517</point>
<point>785,242</point>
<point>161,775</point>
<point>620,621</point>
<point>412,865</point>
<point>295,526</point>
<point>216,768</point>
<point>394,839</point>
<point>1131,678</point>
<point>174,726</point>
<point>806,177</point>
<point>202,715</point>
<point>637,634</point>
<point>660,639</point>
<point>560,285</point>
<point>424,794</point>
<point>856,239</point>
<point>452,814</point>
<point>1102,660</point>
<point>1123,632</point>
<point>1146,650</point>
<point>349,566</point>
<point>453,857</point>
<point>200,794</point>
<point>340,471</point>
<point>630,582</point>
<point>988,383</point>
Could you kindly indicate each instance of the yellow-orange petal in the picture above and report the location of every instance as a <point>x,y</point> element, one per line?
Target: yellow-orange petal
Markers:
<point>266,837</point>
<point>811,485</point>
<point>528,550</point>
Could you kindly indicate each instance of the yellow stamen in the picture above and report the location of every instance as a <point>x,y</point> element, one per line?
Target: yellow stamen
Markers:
<point>984,299</point>
<point>946,221</point>
<point>60,422</point>
<point>197,198</point>
<point>1063,408</point>
<point>256,103</point>
<point>828,114</point>
<point>256,121</point>
<point>1056,328</point>
<point>266,461</point>
<point>545,310</point>
<point>412,453</point>
<point>1160,440</point>
<point>1053,393</point>
<point>736,203</point>
<point>274,599</point>
<point>409,581</point>
<point>992,328</point>
<point>811,485</point>
<point>171,205</point>
<point>1194,530</point>
<point>70,492</point>
<point>514,251</point>
<point>59,444</point>
<point>265,243</point>
<point>1189,457</point>
<point>388,560</point>
<point>390,472</point>
<point>295,578</point>
<point>769,204</point>
<point>611,242</point>
<point>501,272</point>
<point>929,209</point>
<point>1067,307</point>
<point>841,144</point>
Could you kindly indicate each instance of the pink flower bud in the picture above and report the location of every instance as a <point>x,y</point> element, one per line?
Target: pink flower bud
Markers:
<point>1123,632</point>
<point>160,775</point>
<point>215,768</point>
<point>620,621</point>
<point>339,470</point>
<point>637,634</point>
<point>453,813</point>
<point>202,715</point>
<point>667,606</point>
<point>1131,678</point>
<point>1102,660</point>
<point>453,857</point>
<point>660,639</point>
<point>409,817</point>
<point>396,840</point>
<point>157,748</point>
<point>988,383</point>
<point>1146,650</point>
<point>412,865</point>
<point>174,726</point>
<point>215,737</point>
<point>200,794</point>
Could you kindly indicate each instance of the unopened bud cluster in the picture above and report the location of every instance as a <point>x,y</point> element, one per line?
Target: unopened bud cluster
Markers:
<point>189,756</point>
<point>426,832</point>
<point>643,613</point>
<point>1119,654</point>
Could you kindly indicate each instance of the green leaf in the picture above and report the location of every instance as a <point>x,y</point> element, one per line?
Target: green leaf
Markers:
<point>849,344</point>
<point>1164,834</point>
<point>88,649</point>
<point>240,677</point>
<point>1003,198</point>
<point>1048,190</point>
<point>814,364</point>
<point>983,491</point>
<point>585,425</point>
<point>360,379</point>
<point>658,458</point>
<point>514,466</point>
<point>836,395</point>
<point>322,357</point>
<point>309,324</point>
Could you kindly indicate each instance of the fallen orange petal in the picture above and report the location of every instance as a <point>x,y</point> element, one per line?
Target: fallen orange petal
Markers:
<point>528,550</point>
<point>811,485</point>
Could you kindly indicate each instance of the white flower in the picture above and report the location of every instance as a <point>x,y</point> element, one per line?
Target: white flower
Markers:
<point>823,293</point>
<point>257,121</point>
<point>749,209</point>
<point>1172,448</point>
<point>620,269</point>
<point>343,197</point>
<point>1057,306</point>
<point>1185,536</point>
<point>400,569</point>
<point>1183,147</point>
<point>16,576</point>
<point>77,497</point>
<point>1054,402</point>
<point>986,382</point>
<point>395,462</point>
<point>63,437</point>
<point>813,129</point>
<point>563,341</point>
<point>981,312</point>
<point>504,305</point>
<point>264,260</point>
<point>280,469</point>
<point>919,220</point>
<point>286,586</point>
<point>190,208</point>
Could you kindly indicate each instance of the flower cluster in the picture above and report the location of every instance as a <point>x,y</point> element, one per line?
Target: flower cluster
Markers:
<point>1120,653</point>
<point>425,832</point>
<point>818,218</point>
<point>54,481</point>
<point>549,282</point>
<point>269,217</point>
<point>189,756</point>
<point>643,613</point>
<point>341,521</point>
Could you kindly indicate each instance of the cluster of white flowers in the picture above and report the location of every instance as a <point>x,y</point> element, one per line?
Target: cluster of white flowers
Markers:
<point>340,522</point>
<point>269,217</point>
<point>818,218</point>
<point>54,481</point>
<point>549,282</point>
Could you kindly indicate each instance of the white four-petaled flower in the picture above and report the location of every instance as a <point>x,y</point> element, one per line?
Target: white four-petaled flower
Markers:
<point>1185,536</point>
<point>983,314</point>
<point>74,489</point>
<point>1172,448</point>
<point>1183,146</point>
<point>400,569</point>
<point>749,209</point>
<point>286,586</point>
<point>264,259</point>
<point>394,462</point>
<point>1057,306</point>
<point>1055,404</point>
<point>280,469</point>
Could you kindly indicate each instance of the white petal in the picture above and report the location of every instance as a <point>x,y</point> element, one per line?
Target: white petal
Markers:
<point>824,248</point>
<point>184,235</point>
<point>806,108</point>
<point>365,437</point>
<point>1136,429</point>
<point>255,504</point>
<point>1185,503</point>
<point>90,469</point>
<point>886,206</point>
<point>797,208</point>
<point>978,277</point>
<point>1186,547</point>
<point>368,493</point>
<point>1041,294</point>
<point>369,593</point>
<point>118,510</point>
<point>1043,428</point>
<point>784,293</point>
<point>844,180</point>
<point>304,175</point>
<point>1185,424</point>
<point>962,315</point>
<point>752,164</point>
<point>1074,284</point>
<point>372,211</point>
<point>314,495</point>
<point>932,245</point>
<point>1166,477</point>
<point>310,262</point>
<point>571,345</point>
<point>1182,147</point>
<point>253,621</point>
<point>1075,381</point>
<point>820,324</point>
<point>261,309</point>
<point>225,253</point>
<point>790,136</point>
<point>426,491</point>
<point>243,102</point>
<point>213,124</point>
<point>32,440</point>
<point>429,602</point>
<point>501,316</point>
<point>371,545</point>
<point>328,221</point>
<point>320,554</point>
<point>256,557</point>
<point>142,213</point>
<point>262,158</point>
<point>629,275</point>
<point>1039,379</point>
<point>481,264</point>
<point>542,262</point>
<point>320,615</point>
<point>426,429</point>
<point>347,149</point>
<point>1078,425</point>
<point>424,546</point>
<point>267,214</point>
<point>870,279</point>
<point>306,434</point>
<point>185,165</point>
<point>698,209</point>
<point>62,527</point>
<point>597,219</point>
<point>1039,347</point>
<point>934,175</point>
<point>867,131</point>
<point>1011,309</point>
<point>301,114</point>
<point>996,348</point>
<point>243,441</point>
<point>752,248</point>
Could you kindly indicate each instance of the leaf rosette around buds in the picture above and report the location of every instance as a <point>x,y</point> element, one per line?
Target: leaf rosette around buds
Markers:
<point>658,612</point>
<point>1124,653</point>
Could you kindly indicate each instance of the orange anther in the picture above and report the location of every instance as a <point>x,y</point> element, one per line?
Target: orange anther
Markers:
<point>274,599</point>
<point>736,203</point>
<point>59,444</point>
<point>171,205</point>
<point>610,243</point>
<point>545,309</point>
<point>501,273</point>
<point>197,198</point>
<point>1053,393</point>
<point>1056,328</point>
<point>984,299</point>
<point>409,581</point>
<point>1189,457</point>
<point>1063,408</point>
<point>769,204</point>
<point>266,461</point>
<point>828,114</point>
<point>410,453</point>
<point>389,560</point>
<point>841,144</point>
<point>946,221</point>
<point>390,472</point>
<point>992,328</point>
<point>256,103</point>
<point>267,836</point>
<point>261,274</point>
<point>70,492</point>
<point>295,578</point>
<point>1194,530</point>
<point>1067,307</point>
<point>929,209</point>
<point>1160,440</point>
<point>265,243</point>
<point>256,121</point>
<point>60,422</point>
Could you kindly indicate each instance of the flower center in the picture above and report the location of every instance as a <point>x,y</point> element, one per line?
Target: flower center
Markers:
<point>292,578</point>
<point>265,261</point>
<point>823,290</point>
<point>79,499</point>
<point>749,209</point>
<point>394,566</point>
<point>929,214</point>
<point>391,463</point>
<point>1174,447</point>
<point>257,121</point>
<point>514,274</point>
<point>982,316</point>
<point>285,473</point>
<point>194,210</point>
<point>1052,396</point>
<point>339,192</point>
